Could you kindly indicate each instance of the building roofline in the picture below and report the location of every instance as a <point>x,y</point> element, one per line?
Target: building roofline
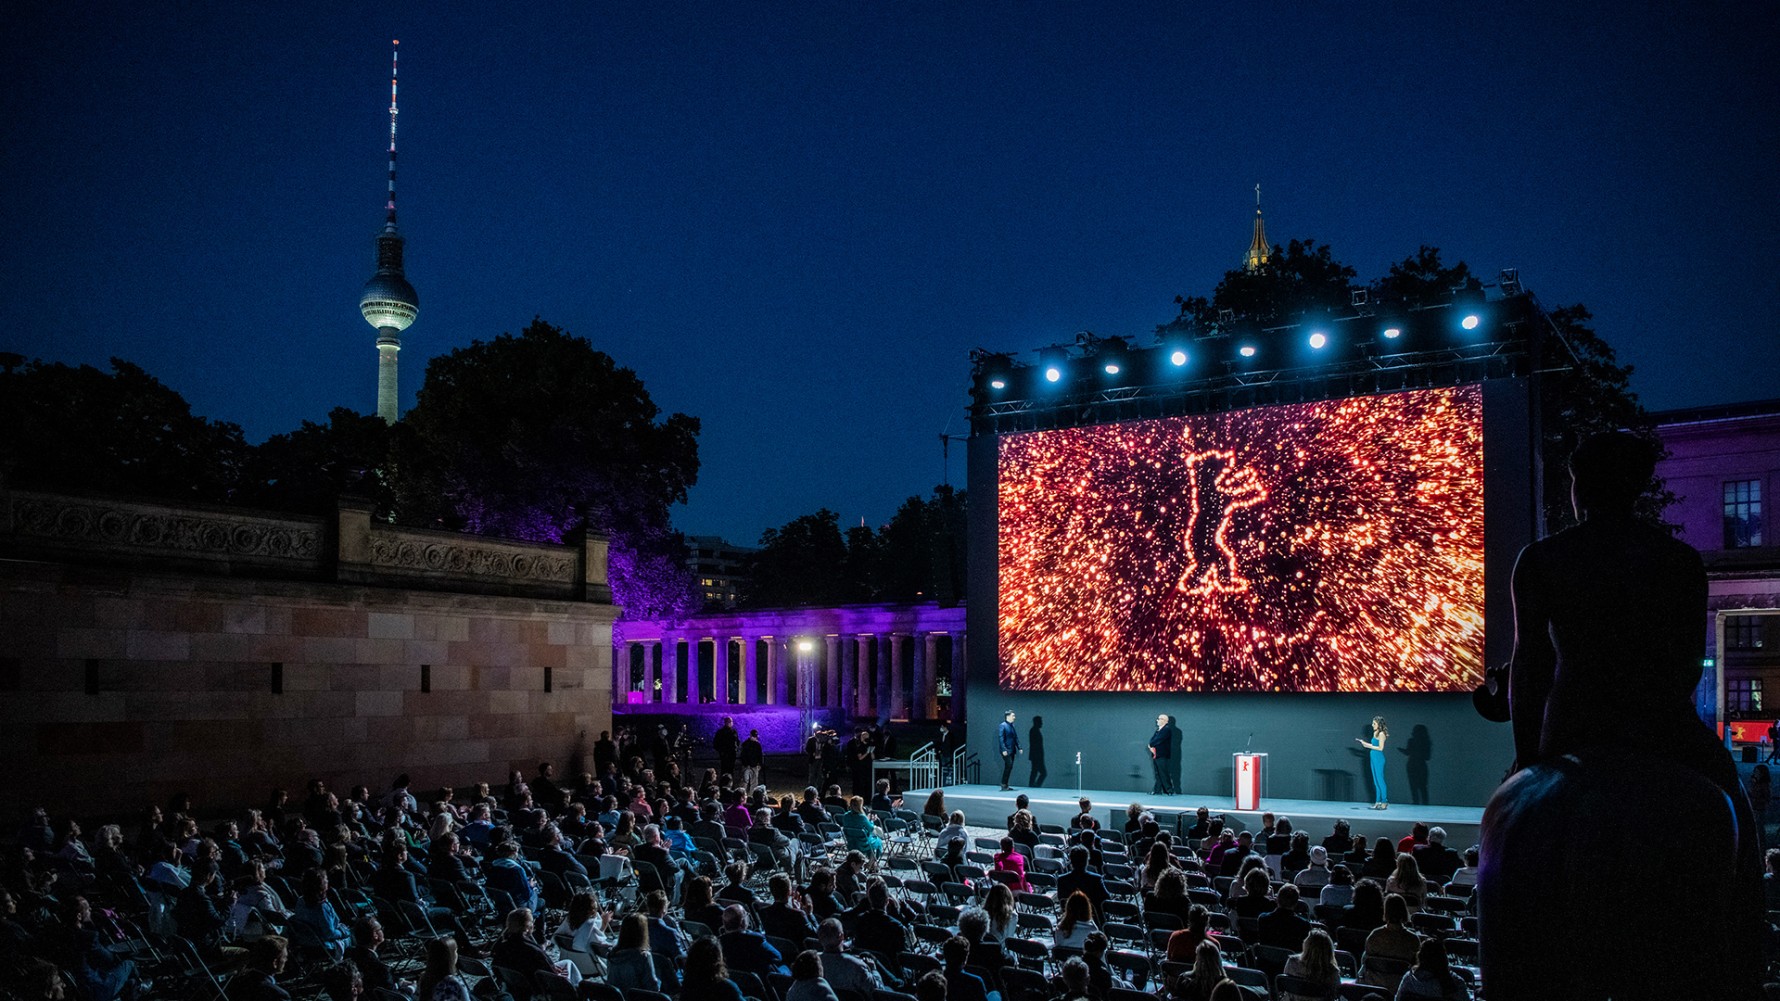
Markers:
<point>1716,412</point>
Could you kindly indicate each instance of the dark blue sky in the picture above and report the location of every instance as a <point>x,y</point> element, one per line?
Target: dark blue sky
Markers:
<point>794,221</point>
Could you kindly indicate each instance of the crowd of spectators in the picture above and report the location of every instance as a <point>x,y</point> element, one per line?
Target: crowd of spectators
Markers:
<point>618,883</point>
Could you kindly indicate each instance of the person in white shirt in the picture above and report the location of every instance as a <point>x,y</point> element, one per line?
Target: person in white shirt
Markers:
<point>1315,876</point>
<point>1466,875</point>
<point>954,829</point>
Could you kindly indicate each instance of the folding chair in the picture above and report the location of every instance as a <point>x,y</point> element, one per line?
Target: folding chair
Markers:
<point>1135,966</point>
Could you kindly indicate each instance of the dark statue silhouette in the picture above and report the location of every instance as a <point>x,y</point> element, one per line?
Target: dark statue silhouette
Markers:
<point>1624,814</point>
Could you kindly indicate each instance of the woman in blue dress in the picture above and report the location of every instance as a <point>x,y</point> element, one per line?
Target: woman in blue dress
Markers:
<point>1376,746</point>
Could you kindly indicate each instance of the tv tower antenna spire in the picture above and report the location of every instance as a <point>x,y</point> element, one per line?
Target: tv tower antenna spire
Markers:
<point>388,302</point>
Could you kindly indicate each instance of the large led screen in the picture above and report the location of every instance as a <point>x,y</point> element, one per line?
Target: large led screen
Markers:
<point>1312,547</point>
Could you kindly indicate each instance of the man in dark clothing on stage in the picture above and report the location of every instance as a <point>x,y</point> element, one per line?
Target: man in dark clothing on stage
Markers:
<point>1035,753</point>
<point>1161,759</point>
<point>725,742</point>
<point>1008,741</point>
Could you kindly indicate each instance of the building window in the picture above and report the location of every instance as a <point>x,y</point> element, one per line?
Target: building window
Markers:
<point>426,677</point>
<point>1742,514</point>
<point>1742,695</point>
<point>277,678</point>
<point>1742,632</point>
<point>548,680</point>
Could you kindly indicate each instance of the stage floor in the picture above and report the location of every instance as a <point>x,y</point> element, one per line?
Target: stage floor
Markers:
<point>987,806</point>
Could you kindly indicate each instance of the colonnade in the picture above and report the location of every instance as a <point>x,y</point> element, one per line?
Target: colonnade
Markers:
<point>855,671</point>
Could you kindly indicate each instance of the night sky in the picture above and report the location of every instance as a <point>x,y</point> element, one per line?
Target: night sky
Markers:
<point>794,221</point>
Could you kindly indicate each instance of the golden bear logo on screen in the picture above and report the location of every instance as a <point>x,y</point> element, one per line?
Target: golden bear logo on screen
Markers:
<point>1218,489</point>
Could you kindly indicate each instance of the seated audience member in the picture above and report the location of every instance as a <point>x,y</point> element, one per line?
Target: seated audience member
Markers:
<point>745,949</point>
<point>1314,962</point>
<point>1407,880</point>
<point>931,987</point>
<point>1431,977</point>
<point>849,878</point>
<point>518,950</point>
<point>843,971</point>
<point>735,890</point>
<point>1315,873</point>
<point>876,930</point>
<point>1100,975</point>
<point>1466,875</point>
<point>774,840</point>
<point>1077,923</point>
<point>1025,832</point>
<point>393,882</point>
<point>807,980</point>
<point>985,953</point>
<point>666,937</point>
<point>1392,940</point>
<point>1021,802</point>
<point>1184,943</point>
<point>588,928</point>
<point>1436,861</point>
<point>509,874</point>
<point>1382,862</point>
<point>824,900</point>
<point>257,905</point>
<point>810,809</point>
<point>1339,891</point>
<point>783,918</point>
<point>961,984</point>
<point>706,976</point>
<point>1170,895</point>
<point>259,981</point>
<point>1207,973</point>
<point>954,829</point>
<point>316,915</point>
<point>1341,841</point>
<point>1231,863</point>
<point>1296,857</point>
<point>1081,879</point>
<point>631,966</point>
<point>1084,816</point>
<point>367,936</point>
<point>1367,910</point>
<point>1254,900</point>
<point>99,973</point>
<point>1004,918</point>
<point>1284,926</point>
<point>882,800</point>
<point>1009,860</point>
<point>861,834</point>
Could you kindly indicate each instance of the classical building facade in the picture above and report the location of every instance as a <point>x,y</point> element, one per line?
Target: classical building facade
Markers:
<point>1724,466</point>
<point>147,649</point>
<point>883,661</point>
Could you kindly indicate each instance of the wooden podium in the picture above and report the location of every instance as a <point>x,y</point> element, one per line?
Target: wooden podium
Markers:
<point>1248,779</point>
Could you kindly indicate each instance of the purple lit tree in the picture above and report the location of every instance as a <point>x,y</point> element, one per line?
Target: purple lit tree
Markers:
<point>531,436</point>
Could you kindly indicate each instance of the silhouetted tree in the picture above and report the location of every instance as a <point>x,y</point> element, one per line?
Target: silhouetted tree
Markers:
<point>310,468</point>
<point>803,562</point>
<point>79,429</point>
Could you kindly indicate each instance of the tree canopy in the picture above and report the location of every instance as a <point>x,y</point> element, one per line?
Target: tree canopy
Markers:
<point>917,556</point>
<point>123,431</point>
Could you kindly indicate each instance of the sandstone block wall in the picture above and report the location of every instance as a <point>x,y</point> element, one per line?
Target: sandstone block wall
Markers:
<point>120,686</point>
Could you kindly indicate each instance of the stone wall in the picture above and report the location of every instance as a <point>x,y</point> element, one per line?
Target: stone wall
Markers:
<point>189,656</point>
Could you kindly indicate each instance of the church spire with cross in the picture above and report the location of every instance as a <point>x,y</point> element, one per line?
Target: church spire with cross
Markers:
<point>1258,248</point>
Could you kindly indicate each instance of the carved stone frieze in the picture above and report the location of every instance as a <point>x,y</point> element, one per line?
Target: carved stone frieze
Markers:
<point>397,551</point>
<point>154,528</point>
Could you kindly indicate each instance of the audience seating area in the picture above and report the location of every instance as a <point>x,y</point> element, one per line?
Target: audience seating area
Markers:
<point>620,887</point>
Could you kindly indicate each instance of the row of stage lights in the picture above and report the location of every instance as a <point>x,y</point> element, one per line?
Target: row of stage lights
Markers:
<point>1452,325</point>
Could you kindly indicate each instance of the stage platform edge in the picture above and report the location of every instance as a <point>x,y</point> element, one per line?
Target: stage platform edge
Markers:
<point>987,806</point>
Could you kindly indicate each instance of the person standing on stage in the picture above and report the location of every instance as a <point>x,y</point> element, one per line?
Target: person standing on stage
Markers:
<point>1035,753</point>
<point>1161,758</point>
<point>752,757</point>
<point>1177,756</point>
<point>1009,740</point>
<point>725,743</point>
<point>1376,746</point>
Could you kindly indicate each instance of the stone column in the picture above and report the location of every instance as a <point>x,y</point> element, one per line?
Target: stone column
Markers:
<point>898,709</point>
<point>927,695</point>
<point>864,694</point>
<point>849,687</point>
<point>651,673</point>
<point>670,670</point>
<point>750,669</point>
<point>960,667</point>
<point>778,672</point>
<point>923,673</point>
<point>831,664</point>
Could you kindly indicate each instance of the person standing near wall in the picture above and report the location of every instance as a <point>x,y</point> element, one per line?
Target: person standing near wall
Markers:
<point>1008,740</point>
<point>751,758</point>
<point>1380,733</point>
<point>1035,753</point>
<point>725,742</point>
<point>1161,758</point>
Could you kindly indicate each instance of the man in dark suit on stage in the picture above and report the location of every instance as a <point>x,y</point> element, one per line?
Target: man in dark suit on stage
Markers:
<point>1161,758</point>
<point>1008,739</point>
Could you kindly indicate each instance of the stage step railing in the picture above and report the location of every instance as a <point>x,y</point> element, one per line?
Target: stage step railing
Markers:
<point>924,767</point>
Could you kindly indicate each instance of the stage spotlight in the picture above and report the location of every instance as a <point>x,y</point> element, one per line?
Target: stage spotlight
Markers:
<point>1178,358</point>
<point>1319,340</point>
<point>1053,362</point>
<point>998,383</point>
<point>1053,373</point>
<point>1470,321</point>
<point>1112,368</point>
<point>1247,351</point>
<point>1392,333</point>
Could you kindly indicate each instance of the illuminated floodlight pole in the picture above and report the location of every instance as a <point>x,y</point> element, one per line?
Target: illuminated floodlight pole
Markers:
<point>806,686</point>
